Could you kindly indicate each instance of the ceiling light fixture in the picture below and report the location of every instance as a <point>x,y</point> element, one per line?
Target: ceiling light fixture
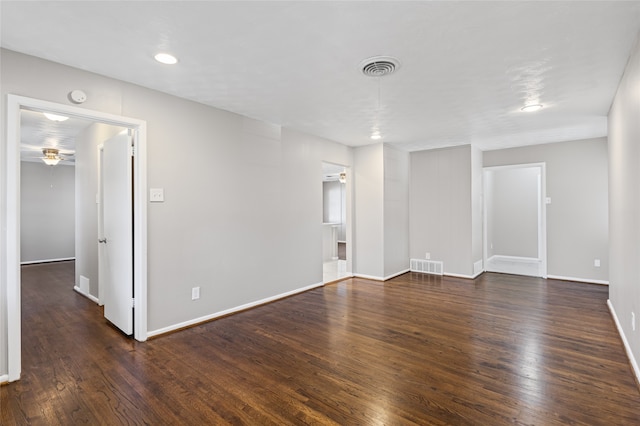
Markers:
<point>51,157</point>
<point>165,58</point>
<point>55,117</point>
<point>531,108</point>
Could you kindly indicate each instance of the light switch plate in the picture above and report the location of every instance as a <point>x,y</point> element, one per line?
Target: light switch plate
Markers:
<point>156,195</point>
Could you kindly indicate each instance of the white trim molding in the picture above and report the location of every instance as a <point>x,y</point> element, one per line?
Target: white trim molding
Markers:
<point>468,277</point>
<point>33,262</point>
<point>397,274</point>
<point>376,278</point>
<point>368,277</point>
<point>4,379</point>
<point>229,311</point>
<point>515,258</point>
<point>87,295</point>
<point>625,342</point>
<point>580,280</point>
<point>516,265</point>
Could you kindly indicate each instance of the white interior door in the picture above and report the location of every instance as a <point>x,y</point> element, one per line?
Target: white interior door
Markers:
<point>117,232</point>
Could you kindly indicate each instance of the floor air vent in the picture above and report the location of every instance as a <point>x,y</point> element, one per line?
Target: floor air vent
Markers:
<point>427,266</point>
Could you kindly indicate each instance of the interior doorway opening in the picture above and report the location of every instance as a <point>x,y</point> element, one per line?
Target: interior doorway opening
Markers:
<point>11,268</point>
<point>515,219</point>
<point>336,247</point>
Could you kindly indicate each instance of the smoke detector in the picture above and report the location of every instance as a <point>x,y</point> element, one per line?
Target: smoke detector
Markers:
<point>379,66</point>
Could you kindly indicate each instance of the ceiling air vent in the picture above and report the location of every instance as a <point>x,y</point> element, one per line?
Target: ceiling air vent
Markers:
<point>379,66</point>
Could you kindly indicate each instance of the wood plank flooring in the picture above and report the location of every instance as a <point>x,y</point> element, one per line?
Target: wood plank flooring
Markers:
<point>418,349</point>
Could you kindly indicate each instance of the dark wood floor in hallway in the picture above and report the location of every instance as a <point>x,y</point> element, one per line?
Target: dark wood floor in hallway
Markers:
<point>418,349</point>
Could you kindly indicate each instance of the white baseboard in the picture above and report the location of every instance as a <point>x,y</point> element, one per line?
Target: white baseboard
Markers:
<point>477,274</point>
<point>337,280</point>
<point>368,277</point>
<point>582,280</point>
<point>397,274</point>
<point>210,317</point>
<point>4,379</point>
<point>627,347</point>
<point>376,278</point>
<point>62,259</point>
<point>513,258</point>
<point>87,295</point>
<point>468,277</point>
<point>516,265</point>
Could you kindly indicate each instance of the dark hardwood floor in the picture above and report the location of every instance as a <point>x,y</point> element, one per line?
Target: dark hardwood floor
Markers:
<point>418,349</point>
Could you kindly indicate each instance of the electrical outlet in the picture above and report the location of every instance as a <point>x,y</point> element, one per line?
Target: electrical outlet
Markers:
<point>195,293</point>
<point>427,256</point>
<point>596,263</point>
<point>633,321</point>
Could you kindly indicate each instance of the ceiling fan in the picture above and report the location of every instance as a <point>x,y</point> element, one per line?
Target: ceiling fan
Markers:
<point>52,156</point>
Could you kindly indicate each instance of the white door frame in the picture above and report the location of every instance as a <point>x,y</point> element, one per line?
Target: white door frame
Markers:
<point>10,265</point>
<point>101,273</point>
<point>542,211</point>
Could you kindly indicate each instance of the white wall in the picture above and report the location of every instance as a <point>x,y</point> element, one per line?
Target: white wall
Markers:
<point>440,214</point>
<point>86,208</point>
<point>381,211</point>
<point>242,217</point>
<point>624,205</point>
<point>46,212</point>
<point>369,211</point>
<point>396,211</point>
<point>577,218</point>
<point>512,212</point>
<point>477,209</point>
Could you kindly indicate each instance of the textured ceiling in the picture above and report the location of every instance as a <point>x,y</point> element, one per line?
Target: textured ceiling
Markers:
<point>466,67</point>
<point>38,132</point>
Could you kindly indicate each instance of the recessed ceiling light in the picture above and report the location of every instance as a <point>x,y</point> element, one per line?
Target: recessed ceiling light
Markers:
<point>376,135</point>
<point>531,108</point>
<point>55,117</point>
<point>165,58</point>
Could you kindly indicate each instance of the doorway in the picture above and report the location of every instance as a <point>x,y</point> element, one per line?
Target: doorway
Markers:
<point>47,210</point>
<point>515,219</point>
<point>336,247</point>
<point>11,263</point>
